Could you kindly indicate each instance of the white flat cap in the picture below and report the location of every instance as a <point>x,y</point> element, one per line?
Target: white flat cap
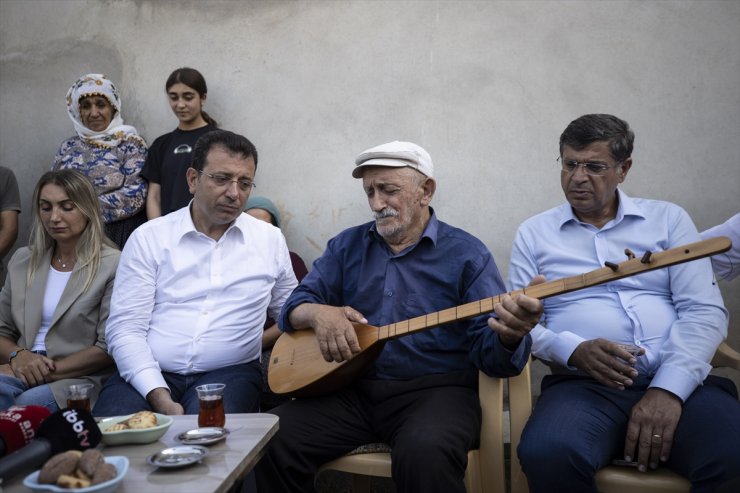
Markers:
<point>395,154</point>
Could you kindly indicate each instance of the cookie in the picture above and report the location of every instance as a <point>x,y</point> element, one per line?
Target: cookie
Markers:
<point>90,460</point>
<point>104,472</point>
<point>60,464</point>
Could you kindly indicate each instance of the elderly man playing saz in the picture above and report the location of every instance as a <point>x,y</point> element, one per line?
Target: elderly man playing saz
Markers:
<point>420,396</point>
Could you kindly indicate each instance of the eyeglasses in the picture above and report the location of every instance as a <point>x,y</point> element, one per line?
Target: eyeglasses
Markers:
<point>226,181</point>
<point>591,169</point>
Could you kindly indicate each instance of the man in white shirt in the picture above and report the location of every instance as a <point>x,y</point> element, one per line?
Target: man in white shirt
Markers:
<point>192,292</point>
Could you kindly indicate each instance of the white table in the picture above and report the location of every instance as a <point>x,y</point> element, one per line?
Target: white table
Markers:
<point>227,461</point>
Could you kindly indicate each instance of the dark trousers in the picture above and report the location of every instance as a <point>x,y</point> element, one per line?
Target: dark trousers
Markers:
<point>243,386</point>
<point>579,426</point>
<point>430,422</point>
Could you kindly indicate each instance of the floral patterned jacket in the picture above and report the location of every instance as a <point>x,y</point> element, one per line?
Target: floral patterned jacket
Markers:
<point>114,173</point>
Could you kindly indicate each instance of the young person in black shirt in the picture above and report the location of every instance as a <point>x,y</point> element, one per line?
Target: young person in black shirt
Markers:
<point>171,154</point>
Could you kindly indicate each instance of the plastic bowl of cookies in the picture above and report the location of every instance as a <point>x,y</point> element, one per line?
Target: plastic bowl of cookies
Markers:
<point>119,462</point>
<point>131,429</point>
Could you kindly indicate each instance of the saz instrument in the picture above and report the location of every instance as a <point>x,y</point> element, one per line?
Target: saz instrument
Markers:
<point>298,368</point>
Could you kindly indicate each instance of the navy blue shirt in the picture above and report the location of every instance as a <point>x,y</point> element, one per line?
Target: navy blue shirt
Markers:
<point>446,268</point>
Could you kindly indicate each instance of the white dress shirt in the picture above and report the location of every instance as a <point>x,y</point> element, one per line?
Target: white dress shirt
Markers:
<point>185,303</point>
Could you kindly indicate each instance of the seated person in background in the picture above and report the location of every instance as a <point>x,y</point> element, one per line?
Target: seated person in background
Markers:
<point>420,396</point>
<point>193,290</point>
<point>726,265</point>
<point>10,207</point>
<point>54,305</point>
<point>108,152</point>
<point>656,405</point>
<point>263,208</point>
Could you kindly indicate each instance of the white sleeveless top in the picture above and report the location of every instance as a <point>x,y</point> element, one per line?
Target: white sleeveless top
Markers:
<point>55,285</point>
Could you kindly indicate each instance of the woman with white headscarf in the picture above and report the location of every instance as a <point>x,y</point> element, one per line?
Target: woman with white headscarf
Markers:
<point>108,152</point>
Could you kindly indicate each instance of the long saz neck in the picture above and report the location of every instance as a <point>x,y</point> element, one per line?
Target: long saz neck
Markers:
<point>650,261</point>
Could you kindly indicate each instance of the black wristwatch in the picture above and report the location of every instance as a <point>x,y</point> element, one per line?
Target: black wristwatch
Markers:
<point>15,353</point>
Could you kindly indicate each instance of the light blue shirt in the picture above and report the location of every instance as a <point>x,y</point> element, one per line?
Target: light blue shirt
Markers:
<point>675,313</point>
<point>726,265</point>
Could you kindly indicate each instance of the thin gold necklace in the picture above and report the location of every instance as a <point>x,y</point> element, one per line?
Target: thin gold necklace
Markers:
<point>64,264</point>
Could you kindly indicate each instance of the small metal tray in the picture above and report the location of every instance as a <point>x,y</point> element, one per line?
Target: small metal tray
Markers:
<point>180,456</point>
<point>202,436</point>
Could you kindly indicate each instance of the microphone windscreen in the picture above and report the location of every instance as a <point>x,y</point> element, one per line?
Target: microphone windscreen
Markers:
<point>70,429</point>
<point>19,425</point>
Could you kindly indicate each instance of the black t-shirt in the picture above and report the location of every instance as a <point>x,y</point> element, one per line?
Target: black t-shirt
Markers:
<point>170,155</point>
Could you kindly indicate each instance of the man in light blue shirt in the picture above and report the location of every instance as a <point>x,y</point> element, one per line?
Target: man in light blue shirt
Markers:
<point>726,265</point>
<point>630,358</point>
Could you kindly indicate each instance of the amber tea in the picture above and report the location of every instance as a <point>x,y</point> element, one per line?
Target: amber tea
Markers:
<point>78,396</point>
<point>212,412</point>
<point>211,397</point>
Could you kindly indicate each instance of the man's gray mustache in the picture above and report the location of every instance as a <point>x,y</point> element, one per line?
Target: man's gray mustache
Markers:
<point>385,213</point>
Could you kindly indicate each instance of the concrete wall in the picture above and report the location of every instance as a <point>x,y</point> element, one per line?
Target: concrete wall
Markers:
<point>485,86</point>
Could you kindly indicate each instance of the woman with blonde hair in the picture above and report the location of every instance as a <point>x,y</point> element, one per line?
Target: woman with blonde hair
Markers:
<point>55,301</point>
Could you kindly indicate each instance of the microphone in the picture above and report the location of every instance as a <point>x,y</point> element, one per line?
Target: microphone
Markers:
<point>18,425</point>
<point>66,429</point>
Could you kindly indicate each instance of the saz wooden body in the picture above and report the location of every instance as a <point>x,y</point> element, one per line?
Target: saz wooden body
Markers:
<point>298,368</point>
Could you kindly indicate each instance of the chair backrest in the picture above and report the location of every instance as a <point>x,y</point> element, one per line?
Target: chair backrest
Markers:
<point>726,357</point>
<point>520,407</point>
<point>491,463</point>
